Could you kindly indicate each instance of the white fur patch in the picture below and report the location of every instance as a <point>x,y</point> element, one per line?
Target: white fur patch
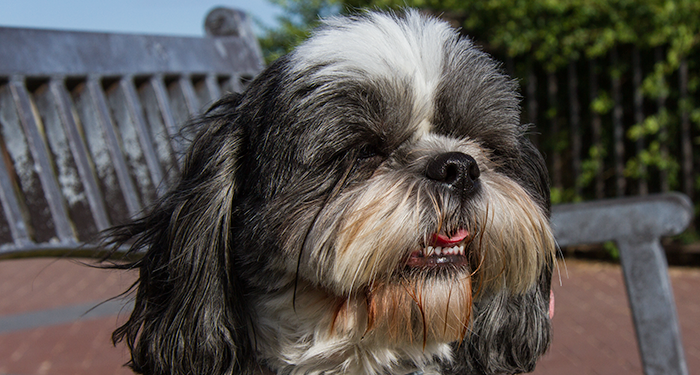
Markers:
<point>396,49</point>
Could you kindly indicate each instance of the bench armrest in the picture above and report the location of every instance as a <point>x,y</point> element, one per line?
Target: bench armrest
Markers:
<point>636,225</point>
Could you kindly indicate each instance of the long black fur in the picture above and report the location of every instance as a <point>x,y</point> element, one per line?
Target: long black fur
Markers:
<point>189,311</point>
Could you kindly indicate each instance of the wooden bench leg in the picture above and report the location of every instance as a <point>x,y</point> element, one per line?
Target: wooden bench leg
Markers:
<point>653,307</point>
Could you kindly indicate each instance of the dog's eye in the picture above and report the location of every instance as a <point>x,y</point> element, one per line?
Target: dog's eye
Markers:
<point>367,151</point>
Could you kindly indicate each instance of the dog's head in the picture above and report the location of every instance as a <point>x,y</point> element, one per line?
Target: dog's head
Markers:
<point>369,203</point>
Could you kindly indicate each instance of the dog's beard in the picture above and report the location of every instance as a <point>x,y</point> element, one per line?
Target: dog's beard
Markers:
<point>420,309</point>
<point>372,247</point>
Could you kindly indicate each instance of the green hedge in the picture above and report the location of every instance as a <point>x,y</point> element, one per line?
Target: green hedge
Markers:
<point>542,39</point>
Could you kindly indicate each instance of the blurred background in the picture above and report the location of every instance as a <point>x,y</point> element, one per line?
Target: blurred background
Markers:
<point>612,88</point>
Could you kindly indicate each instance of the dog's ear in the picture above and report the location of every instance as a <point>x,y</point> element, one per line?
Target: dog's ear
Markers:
<point>188,315</point>
<point>533,173</point>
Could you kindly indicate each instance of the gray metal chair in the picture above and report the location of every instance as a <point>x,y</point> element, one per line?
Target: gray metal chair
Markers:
<point>86,136</point>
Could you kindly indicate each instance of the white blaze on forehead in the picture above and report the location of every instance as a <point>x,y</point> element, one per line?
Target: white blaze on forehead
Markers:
<point>397,49</point>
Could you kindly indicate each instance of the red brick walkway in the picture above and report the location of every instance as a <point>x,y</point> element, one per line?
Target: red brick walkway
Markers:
<point>73,348</point>
<point>593,328</point>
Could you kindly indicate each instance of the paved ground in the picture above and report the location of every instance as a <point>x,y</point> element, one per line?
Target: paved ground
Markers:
<point>46,329</point>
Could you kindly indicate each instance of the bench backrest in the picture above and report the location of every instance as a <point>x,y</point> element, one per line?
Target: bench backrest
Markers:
<point>87,123</point>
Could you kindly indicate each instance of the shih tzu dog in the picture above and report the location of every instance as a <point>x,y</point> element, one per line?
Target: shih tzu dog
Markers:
<point>369,205</point>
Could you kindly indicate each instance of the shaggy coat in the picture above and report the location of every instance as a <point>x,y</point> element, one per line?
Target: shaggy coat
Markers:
<point>369,205</point>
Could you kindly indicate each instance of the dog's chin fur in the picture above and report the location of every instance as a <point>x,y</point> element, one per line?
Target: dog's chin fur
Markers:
<point>301,235</point>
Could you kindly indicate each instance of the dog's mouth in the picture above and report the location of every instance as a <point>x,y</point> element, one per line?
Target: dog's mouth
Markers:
<point>442,251</point>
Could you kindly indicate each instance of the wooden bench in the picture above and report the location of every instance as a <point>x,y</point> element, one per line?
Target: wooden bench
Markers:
<point>88,120</point>
<point>87,125</point>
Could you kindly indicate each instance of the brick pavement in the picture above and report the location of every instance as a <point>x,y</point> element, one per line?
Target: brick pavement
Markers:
<point>593,329</point>
<point>50,288</point>
<point>593,332</point>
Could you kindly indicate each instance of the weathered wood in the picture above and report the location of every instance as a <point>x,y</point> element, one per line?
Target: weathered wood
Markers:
<point>89,124</point>
<point>636,225</point>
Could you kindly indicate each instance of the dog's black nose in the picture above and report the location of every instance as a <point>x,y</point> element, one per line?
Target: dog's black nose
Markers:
<point>456,169</point>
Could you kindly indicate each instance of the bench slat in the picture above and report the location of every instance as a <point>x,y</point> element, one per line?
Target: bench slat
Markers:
<point>213,88</point>
<point>80,154</point>
<point>135,112</point>
<point>10,204</point>
<point>37,146</point>
<point>117,158</point>
<point>160,123</point>
<point>64,165</point>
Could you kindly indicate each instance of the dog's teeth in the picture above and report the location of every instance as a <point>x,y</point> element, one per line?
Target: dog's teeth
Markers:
<point>442,251</point>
